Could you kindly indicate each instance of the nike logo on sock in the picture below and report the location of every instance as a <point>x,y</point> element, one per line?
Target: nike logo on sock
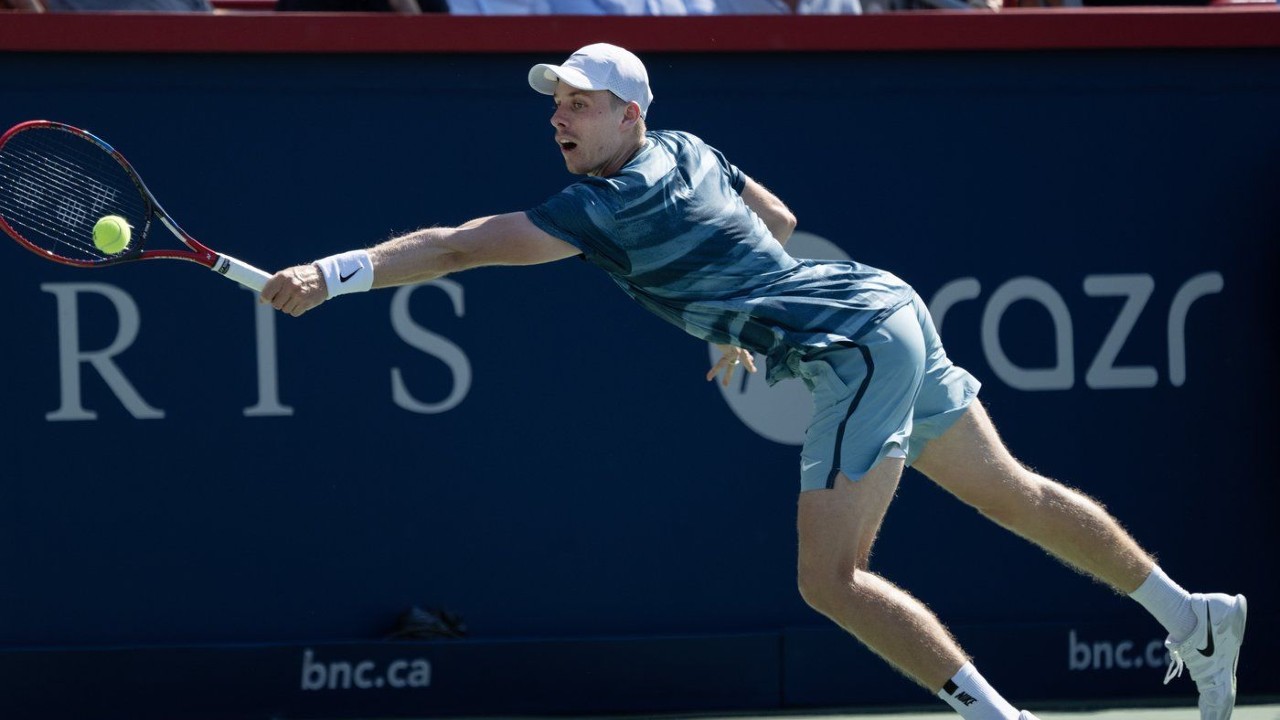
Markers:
<point>348,276</point>
<point>1207,650</point>
<point>961,696</point>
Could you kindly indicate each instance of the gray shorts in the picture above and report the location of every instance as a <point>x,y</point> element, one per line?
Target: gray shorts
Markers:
<point>884,396</point>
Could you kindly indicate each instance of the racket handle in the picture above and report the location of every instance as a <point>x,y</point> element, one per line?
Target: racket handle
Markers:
<point>242,272</point>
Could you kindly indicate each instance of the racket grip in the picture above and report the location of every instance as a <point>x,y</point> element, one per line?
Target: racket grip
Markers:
<point>242,272</point>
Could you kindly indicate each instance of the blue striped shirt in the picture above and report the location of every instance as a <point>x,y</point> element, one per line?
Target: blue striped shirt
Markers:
<point>673,232</point>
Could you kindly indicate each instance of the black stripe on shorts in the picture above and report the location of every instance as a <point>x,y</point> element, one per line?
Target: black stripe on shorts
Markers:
<point>857,398</point>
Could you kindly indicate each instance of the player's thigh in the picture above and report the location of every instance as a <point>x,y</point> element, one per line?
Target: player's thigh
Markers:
<point>838,526</point>
<point>970,460</point>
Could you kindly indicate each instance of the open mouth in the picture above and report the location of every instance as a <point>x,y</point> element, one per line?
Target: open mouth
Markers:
<point>567,145</point>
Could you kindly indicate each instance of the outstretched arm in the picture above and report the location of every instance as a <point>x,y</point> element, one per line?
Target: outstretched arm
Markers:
<point>425,255</point>
<point>435,252</point>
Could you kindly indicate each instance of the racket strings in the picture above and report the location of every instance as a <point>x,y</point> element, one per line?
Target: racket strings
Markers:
<point>54,187</point>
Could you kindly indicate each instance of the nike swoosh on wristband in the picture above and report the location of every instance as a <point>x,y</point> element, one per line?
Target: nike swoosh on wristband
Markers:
<point>348,276</point>
<point>1207,650</point>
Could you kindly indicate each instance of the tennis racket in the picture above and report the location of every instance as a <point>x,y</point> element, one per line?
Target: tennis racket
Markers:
<point>58,181</point>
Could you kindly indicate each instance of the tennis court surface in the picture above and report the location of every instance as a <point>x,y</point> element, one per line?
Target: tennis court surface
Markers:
<point>1269,711</point>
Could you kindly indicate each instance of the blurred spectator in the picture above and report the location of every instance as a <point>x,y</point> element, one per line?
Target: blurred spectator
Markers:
<point>113,5</point>
<point>788,7</point>
<point>410,7</point>
<point>707,7</point>
<point>582,7</point>
<point>652,7</point>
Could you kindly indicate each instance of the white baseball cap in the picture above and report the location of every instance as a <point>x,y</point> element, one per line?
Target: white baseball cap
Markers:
<point>598,67</point>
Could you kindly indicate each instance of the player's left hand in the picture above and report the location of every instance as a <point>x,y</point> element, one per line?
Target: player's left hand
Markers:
<point>729,361</point>
<point>295,290</point>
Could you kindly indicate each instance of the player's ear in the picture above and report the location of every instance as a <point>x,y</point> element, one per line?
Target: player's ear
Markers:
<point>631,114</point>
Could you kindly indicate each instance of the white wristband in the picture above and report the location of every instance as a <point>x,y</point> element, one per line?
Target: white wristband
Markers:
<point>346,272</point>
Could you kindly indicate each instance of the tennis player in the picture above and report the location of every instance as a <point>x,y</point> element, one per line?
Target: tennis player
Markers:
<point>699,243</point>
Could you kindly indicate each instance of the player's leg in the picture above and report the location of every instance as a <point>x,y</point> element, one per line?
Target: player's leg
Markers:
<point>971,462</point>
<point>1205,630</point>
<point>837,528</point>
<point>853,457</point>
<point>954,442</point>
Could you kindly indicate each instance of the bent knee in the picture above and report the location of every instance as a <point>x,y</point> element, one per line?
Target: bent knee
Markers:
<point>828,589</point>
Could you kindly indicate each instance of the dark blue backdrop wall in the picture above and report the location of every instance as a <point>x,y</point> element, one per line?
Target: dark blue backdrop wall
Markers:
<point>526,448</point>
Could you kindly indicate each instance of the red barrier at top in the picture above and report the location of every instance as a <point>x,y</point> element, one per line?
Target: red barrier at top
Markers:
<point>1019,29</point>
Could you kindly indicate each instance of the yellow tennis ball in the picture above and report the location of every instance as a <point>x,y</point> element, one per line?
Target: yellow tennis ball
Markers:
<point>111,234</point>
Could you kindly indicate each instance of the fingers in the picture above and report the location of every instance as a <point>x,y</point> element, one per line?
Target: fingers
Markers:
<point>725,365</point>
<point>711,374</point>
<point>294,290</point>
<point>732,358</point>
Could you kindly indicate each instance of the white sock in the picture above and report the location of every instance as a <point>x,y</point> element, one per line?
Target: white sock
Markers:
<point>970,695</point>
<point>1168,602</point>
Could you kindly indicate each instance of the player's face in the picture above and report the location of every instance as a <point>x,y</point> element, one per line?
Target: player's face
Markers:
<point>592,130</point>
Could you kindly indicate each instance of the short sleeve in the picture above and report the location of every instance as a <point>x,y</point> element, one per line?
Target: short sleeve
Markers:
<point>581,216</point>
<point>737,178</point>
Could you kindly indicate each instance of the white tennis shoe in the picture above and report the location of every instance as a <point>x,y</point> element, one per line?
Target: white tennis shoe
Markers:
<point>1211,652</point>
<point>1024,715</point>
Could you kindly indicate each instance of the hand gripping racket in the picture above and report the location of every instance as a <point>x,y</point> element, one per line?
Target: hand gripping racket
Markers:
<point>58,181</point>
